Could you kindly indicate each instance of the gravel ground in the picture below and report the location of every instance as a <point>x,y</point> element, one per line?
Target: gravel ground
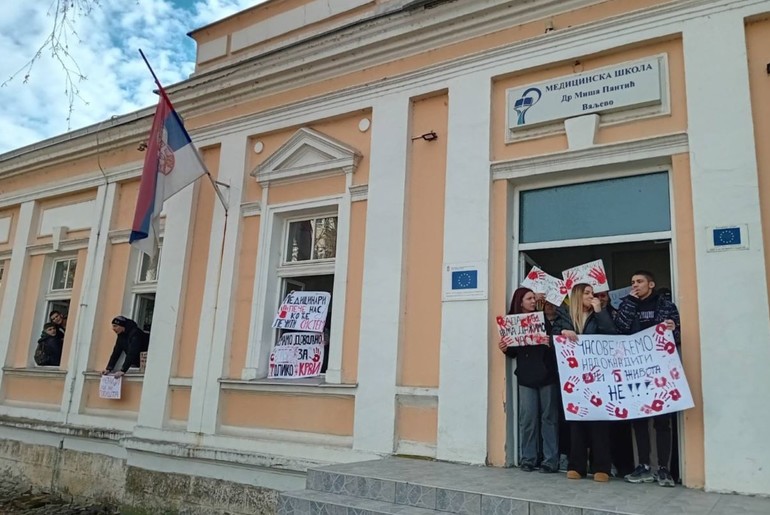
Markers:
<point>18,498</point>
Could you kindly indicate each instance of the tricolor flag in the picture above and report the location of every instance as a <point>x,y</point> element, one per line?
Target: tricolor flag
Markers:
<point>171,163</point>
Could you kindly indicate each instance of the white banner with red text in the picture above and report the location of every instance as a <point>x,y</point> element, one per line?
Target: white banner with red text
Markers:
<point>621,377</point>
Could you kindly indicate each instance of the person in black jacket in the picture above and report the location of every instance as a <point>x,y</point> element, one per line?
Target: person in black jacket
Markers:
<point>49,346</point>
<point>586,316</point>
<point>644,308</point>
<point>131,340</point>
<point>538,393</point>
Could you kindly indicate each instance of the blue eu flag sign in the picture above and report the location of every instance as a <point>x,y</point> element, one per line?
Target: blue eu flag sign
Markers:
<point>727,236</point>
<point>465,280</point>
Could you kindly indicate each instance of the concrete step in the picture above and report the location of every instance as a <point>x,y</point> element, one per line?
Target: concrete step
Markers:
<point>311,502</point>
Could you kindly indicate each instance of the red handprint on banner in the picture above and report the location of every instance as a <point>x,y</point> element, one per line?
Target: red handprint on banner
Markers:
<point>569,354</point>
<point>536,275</point>
<point>659,402</point>
<point>591,376</point>
<point>674,392</point>
<point>661,382</point>
<point>507,340</point>
<point>562,340</point>
<point>616,412</point>
<point>592,398</point>
<point>571,383</point>
<point>660,329</point>
<point>316,355</point>
<point>647,410</point>
<point>675,373</point>
<point>666,346</point>
<point>569,282</point>
<point>501,321</point>
<point>598,275</point>
<point>577,410</point>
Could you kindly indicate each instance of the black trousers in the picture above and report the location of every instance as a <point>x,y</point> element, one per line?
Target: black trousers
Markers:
<point>662,425</point>
<point>592,434</point>
<point>622,446</point>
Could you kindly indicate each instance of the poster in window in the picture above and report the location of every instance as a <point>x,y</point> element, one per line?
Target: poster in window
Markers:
<point>297,355</point>
<point>110,387</point>
<point>303,311</point>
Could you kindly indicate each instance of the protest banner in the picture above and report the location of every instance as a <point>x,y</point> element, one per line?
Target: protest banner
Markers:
<point>524,329</point>
<point>297,355</point>
<point>110,387</point>
<point>589,273</point>
<point>617,296</point>
<point>540,282</point>
<point>303,311</point>
<point>618,377</point>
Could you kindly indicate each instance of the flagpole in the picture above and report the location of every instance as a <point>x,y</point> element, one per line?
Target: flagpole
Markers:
<point>163,94</point>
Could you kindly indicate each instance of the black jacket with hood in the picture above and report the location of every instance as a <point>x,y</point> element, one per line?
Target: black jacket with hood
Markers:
<point>597,323</point>
<point>132,341</point>
<point>535,364</point>
<point>636,315</point>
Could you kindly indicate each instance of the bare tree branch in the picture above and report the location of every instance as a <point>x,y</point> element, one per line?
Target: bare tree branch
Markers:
<point>57,42</point>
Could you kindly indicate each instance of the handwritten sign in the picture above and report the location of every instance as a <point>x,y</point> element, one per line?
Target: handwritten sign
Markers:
<point>540,282</point>
<point>110,387</point>
<point>589,273</point>
<point>297,355</point>
<point>303,311</point>
<point>617,296</point>
<point>616,377</point>
<point>524,329</point>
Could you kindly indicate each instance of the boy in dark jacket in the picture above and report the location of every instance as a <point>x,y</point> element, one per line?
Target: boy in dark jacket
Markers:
<point>131,340</point>
<point>49,347</point>
<point>642,309</point>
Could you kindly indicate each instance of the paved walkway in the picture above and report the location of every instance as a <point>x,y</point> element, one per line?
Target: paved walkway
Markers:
<point>469,486</point>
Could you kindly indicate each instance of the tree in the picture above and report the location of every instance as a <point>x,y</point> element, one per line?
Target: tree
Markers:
<point>57,42</point>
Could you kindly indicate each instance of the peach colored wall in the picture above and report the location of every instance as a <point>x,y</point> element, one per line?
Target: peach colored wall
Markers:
<point>244,293</point>
<point>179,406</point>
<point>4,264</point>
<point>331,415</point>
<point>184,348</point>
<point>20,351</point>
<point>687,301</point>
<point>351,334</point>
<point>758,41</point>
<point>40,390</point>
<point>423,60</point>
<point>310,188</point>
<point>123,216</point>
<point>635,129</point>
<point>110,304</point>
<point>13,213</point>
<point>417,423</point>
<point>421,338</point>
<point>130,396</point>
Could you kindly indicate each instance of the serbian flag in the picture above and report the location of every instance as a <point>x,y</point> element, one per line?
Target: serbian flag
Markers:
<point>171,163</point>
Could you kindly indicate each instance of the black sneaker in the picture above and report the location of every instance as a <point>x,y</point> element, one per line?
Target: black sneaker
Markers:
<point>547,469</point>
<point>526,467</point>
<point>665,478</point>
<point>641,474</point>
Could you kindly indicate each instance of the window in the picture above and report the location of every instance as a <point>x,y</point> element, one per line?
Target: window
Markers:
<point>309,260</point>
<point>145,285</point>
<point>58,296</point>
<point>63,276</point>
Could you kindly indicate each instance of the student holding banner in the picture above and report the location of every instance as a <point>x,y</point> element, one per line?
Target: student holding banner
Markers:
<point>586,316</point>
<point>538,379</point>
<point>643,308</point>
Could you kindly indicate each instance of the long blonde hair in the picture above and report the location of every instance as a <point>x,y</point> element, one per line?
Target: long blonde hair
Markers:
<point>577,312</point>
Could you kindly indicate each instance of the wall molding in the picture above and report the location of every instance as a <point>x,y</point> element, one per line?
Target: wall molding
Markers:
<point>359,192</point>
<point>251,208</point>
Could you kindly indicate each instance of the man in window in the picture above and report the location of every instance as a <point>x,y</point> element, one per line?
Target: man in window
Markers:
<point>59,320</point>
<point>130,340</point>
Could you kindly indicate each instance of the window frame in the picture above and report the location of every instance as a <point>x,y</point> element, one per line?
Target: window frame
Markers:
<point>138,289</point>
<point>47,296</point>
<point>61,291</point>
<point>286,234</point>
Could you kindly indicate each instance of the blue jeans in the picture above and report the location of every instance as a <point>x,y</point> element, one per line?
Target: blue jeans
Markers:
<point>539,408</point>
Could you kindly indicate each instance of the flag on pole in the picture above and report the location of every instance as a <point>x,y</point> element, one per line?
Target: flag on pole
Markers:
<point>171,163</point>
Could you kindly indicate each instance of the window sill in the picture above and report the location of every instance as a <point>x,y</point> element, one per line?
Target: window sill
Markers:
<point>130,376</point>
<point>310,385</point>
<point>35,372</point>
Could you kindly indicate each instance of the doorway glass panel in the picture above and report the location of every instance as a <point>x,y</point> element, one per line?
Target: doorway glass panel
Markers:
<point>612,207</point>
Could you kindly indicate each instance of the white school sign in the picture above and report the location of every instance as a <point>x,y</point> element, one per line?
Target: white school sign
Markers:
<point>633,84</point>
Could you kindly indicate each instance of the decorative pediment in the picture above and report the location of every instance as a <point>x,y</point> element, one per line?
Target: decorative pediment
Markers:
<point>308,154</point>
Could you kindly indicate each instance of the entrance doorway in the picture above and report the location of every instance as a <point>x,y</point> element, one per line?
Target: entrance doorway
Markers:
<point>626,222</point>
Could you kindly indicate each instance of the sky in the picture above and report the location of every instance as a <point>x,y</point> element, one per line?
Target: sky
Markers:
<point>104,44</point>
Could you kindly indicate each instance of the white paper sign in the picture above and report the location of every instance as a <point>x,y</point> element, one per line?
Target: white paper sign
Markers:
<point>110,387</point>
<point>540,282</point>
<point>303,311</point>
<point>524,329</point>
<point>617,296</point>
<point>297,355</point>
<point>589,273</point>
<point>618,377</point>
<point>628,85</point>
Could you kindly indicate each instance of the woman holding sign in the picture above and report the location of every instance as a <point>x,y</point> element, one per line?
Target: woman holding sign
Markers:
<point>586,316</point>
<point>538,392</point>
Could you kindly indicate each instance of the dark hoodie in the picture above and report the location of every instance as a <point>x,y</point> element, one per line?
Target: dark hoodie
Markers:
<point>636,315</point>
<point>535,364</point>
<point>132,341</point>
<point>48,351</point>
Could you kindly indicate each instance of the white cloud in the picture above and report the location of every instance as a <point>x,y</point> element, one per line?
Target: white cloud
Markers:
<point>117,81</point>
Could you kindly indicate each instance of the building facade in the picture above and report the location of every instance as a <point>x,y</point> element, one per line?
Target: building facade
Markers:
<point>367,148</point>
